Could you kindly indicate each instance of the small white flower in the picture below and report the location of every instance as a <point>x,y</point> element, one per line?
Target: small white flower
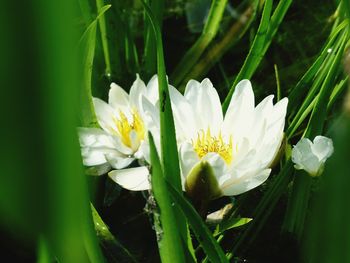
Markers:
<point>123,134</point>
<point>239,147</point>
<point>311,156</point>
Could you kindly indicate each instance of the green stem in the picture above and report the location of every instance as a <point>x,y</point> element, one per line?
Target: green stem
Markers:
<point>298,205</point>
<point>103,31</point>
<point>150,51</point>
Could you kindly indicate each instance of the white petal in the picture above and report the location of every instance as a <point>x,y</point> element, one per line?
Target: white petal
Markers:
<point>117,97</point>
<point>262,112</point>
<point>304,158</point>
<point>135,142</point>
<point>279,110</point>
<point>191,94</point>
<point>211,106</point>
<point>137,89</point>
<point>119,162</point>
<point>134,179</point>
<point>217,164</point>
<point>322,148</point>
<point>95,143</point>
<point>206,105</point>
<point>143,151</point>
<point>152,92</point>
<point>267,135</point>
<point>183,116</point>
<point>245,183</point>
<point>94,137</point>
<point>105,115</point>
<point>300,150</point>
<point>151,117</point>
<point>239,115</point>
<point>188,158</point>
<point>92,157</point>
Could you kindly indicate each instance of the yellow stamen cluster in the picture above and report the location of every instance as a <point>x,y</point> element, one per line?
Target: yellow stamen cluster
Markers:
<point>124,127</point>
<point>207,143</point>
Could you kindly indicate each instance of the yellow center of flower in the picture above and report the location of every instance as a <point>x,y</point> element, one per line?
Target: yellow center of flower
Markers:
<point>207,143</point>
<point>124,127</point>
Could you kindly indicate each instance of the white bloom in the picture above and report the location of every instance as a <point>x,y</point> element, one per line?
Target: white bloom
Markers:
<point>311,156</point>
<point>239,147</point>
<point>123,137</point>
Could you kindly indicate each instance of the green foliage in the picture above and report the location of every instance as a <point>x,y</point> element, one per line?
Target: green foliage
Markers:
<point>297,46</point>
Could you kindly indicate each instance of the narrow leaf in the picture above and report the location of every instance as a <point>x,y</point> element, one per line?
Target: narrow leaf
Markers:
<point>169,240</point>
<point>203,234</point>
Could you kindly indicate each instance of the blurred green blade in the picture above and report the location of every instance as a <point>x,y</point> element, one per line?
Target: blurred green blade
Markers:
<point>70,232</point>
<point>204,236</point>
<point>328,228</point>
<point>169,240</point>
<point>209,32</point>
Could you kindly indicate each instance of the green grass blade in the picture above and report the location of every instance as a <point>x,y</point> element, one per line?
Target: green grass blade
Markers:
<point>276,20</point>
<point>43,251</point>
<point>346,6</point>
<point>255,53</point>
<point>317,83</point>
<point>302,86</point>
<point>150,52</point>
<point>103,31</point>
<point>87,45</point>
<point>209,32</point>
<point>299,199</point>
<point>315,126</point>
<point>203,234</point>
<point>339,89</point>
<point>168,236</point>
<point>170,159</point>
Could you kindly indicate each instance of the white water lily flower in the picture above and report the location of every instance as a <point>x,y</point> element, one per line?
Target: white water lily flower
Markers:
<point>123,134</point>
<point>311,156</point>
<point>232,152</point>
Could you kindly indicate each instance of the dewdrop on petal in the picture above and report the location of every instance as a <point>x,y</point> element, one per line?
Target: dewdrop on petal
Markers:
<point>311,156</point>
